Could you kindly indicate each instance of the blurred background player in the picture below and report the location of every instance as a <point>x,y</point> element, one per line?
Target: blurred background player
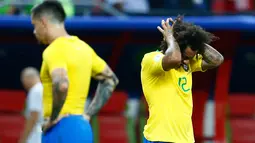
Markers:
<point>167,80</point>
<point>32,132</point>
<point>68,64</point>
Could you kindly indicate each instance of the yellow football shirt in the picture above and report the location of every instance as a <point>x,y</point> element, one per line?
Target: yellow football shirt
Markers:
<point>80,61</point>
<point>169,97</point>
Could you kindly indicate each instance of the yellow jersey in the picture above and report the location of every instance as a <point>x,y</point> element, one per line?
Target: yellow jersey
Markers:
<point>80,61</point>
<point>169,97</point>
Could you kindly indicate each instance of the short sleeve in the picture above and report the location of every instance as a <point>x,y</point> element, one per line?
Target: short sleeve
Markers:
<point>35,100</point>
<point>55,56</point>
<point>152,63</point>
<point>98,64</point>
<point>196,63</point>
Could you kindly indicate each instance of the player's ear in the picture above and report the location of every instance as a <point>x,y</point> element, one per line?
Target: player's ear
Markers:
<point>44,21</point>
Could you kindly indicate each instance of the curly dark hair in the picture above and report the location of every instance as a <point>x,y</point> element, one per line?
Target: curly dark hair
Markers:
<point>188,34</point>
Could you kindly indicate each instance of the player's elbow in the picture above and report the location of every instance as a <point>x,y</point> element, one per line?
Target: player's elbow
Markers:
<point>176,58</point>
<point>172,61</point>
<point>111,81</point>
<point>64,87</point>
<point>61,85</point>
<point>219,61</point>
<point>115,80</point>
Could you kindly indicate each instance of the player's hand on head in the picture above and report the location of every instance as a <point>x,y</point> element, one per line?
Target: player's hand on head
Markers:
<point>166,29</point>
<point>166,25</point>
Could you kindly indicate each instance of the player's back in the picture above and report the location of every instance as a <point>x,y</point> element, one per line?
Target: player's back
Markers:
<point>79,69</point>
<point>76,56</point>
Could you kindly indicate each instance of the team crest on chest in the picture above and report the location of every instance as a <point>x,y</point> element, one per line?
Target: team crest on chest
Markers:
<point>185,67</point>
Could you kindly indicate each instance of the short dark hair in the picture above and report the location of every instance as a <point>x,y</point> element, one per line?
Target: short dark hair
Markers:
<point>187,34</point>
<point>52,8</point>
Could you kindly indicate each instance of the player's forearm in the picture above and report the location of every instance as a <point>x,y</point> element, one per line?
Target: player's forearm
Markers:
<point>212,57</point>
<point>60,89</point>
<point>173,48</point>
<point>103,93</point>
<point>29,125</point>
<point>172,58</point>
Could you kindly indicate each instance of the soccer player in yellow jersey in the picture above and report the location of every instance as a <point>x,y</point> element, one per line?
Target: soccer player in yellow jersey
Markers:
<point>167,80</point>
<point>68,65</point>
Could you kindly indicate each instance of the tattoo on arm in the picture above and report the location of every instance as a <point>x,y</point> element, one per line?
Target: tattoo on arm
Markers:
<point>60,85</point>
<point>172,58</point>
<point>107,83</point>
<point>211,58</point>
<point>173,48</point>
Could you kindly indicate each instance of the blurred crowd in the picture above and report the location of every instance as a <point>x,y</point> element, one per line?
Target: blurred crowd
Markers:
<point>135,7</point>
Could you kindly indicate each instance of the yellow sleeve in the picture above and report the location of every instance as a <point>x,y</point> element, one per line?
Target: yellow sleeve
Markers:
<point>196,63</point>
<point>98,64</point>
<point>55,58</point>
<point>152,63</point>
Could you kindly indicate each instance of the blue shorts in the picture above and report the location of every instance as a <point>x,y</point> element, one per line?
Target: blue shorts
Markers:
<point>146,141</point>
<point>71,129</point>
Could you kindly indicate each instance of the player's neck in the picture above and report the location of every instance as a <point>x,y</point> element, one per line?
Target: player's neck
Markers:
<point>33,83</point>
<point>57,32</point>
<point>57,35</point>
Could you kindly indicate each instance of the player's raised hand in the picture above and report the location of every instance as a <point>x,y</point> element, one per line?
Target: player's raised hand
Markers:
<point>166,29</point>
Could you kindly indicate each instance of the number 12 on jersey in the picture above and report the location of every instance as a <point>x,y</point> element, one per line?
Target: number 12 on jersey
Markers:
<point>182,83</point>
